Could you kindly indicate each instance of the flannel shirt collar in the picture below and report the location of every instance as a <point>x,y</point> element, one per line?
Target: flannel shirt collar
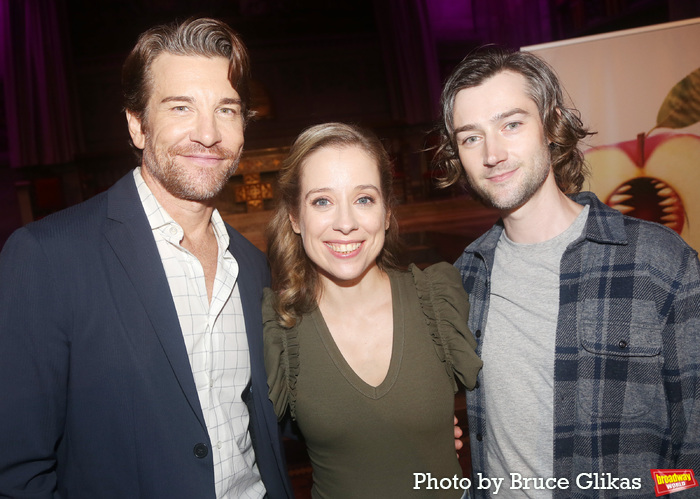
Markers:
<point>604,225</point>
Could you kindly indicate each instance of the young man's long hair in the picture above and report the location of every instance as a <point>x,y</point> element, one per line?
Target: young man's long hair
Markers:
<point>194,37</point>
<point>562,126</point>
<point>294,276</point>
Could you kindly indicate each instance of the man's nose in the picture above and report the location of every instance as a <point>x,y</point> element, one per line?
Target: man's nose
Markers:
<point>494,151</point>
<point>206,130</point>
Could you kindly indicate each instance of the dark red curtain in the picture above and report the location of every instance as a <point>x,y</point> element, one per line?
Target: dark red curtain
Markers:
<point>410,56</point>
<point>33,60</point>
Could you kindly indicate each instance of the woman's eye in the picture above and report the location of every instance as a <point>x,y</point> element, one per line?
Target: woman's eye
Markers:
<point>321,202</point>
<point>365,200</point>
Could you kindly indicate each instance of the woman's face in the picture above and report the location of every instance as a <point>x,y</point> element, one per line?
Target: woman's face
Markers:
<point>342,215</point>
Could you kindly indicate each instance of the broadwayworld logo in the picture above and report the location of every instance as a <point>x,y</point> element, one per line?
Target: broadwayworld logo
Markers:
<point>669,481</point>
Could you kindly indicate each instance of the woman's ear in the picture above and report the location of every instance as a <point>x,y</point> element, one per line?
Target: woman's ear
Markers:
<point>295,225</point>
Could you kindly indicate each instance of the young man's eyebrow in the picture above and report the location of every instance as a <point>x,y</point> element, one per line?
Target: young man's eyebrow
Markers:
<point>468,127</point>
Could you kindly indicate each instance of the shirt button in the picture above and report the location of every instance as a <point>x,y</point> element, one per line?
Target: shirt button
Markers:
<point>200,450</point>
<point>211,383</point>
<point>173,230</point>
<point>218,445</point>
<point>476,385</point>
<point>622,344</point>
<point>479,437</point>
<point>478,333</point>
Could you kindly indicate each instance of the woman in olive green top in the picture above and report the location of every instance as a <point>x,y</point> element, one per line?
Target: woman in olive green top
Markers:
<point>362,355</point>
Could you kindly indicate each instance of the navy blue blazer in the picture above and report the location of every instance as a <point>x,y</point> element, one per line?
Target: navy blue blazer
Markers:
<point>97,398</point>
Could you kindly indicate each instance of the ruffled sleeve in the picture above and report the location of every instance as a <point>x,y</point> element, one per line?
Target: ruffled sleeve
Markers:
<point>445,305</point>
<point>281,358</point>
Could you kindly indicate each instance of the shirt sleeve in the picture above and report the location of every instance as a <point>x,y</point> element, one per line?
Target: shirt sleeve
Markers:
<point>445,306</point>
<point>683,333</point>
<point>281,358</point>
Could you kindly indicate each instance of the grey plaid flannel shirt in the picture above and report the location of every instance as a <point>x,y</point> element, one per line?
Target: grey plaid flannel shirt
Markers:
<point>627,359</point>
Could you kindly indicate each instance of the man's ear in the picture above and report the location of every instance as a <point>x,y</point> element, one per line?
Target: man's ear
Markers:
<point>136,130</point>
<point>295,225</point>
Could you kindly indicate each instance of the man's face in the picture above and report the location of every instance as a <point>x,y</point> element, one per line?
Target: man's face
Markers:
<point>192,132</point>
<point>501,141</point>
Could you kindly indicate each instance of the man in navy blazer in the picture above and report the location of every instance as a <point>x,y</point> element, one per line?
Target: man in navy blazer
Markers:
<point>113,382</point>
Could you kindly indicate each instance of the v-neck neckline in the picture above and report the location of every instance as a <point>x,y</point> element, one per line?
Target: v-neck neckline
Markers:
<point>397,347</point>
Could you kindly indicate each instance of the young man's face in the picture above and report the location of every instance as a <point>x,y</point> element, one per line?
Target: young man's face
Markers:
<point>192,132</point>
<point>501,141</point>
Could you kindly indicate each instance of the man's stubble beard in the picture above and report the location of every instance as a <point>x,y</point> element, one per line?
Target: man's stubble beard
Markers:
<point>523,192</point>
<point>179,180</point>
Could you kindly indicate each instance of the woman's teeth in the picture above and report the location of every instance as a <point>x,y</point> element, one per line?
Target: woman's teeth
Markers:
<point>343,248</point>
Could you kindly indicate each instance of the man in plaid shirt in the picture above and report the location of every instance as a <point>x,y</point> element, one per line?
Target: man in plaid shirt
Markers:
<point>588,321</point>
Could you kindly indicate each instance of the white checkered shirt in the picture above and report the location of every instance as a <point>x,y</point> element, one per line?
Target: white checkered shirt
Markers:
<point>217,346</point>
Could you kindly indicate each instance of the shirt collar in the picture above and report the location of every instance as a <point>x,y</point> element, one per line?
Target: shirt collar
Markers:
<point>220,230</point>
<point>160,220</point>
<point>604,225</point>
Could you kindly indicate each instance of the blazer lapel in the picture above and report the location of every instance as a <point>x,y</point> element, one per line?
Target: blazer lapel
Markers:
<point>252,277</point>
<point>131,239</point>
<point>250,286</point>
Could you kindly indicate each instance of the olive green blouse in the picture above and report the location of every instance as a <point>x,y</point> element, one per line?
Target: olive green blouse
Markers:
<point>366,441</point>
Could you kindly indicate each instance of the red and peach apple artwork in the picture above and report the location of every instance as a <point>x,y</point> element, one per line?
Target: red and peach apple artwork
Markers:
<point>656,176</point>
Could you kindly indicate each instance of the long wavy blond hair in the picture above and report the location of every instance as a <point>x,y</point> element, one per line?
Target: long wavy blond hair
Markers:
<point>562,126</point>
<point>294,276</point>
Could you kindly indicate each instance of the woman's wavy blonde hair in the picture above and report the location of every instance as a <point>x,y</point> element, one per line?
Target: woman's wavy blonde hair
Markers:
<point>294,276</point>
<point>562,126</point>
